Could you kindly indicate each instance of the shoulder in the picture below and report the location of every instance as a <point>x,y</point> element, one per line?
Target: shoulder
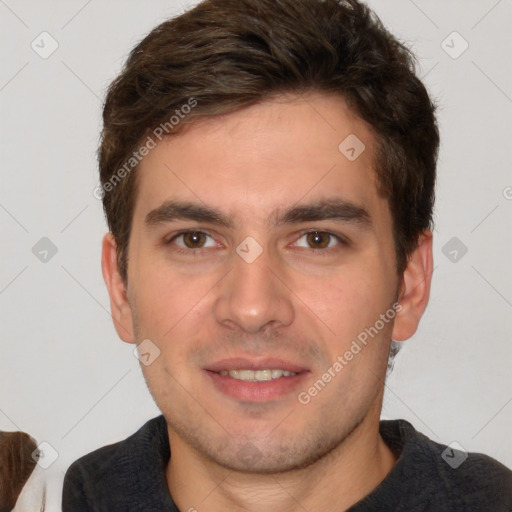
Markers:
<point>472,479</point>
<point>449,477</point>
<point>33,494</point>
<point>100,463</point>
<point>110,470</point>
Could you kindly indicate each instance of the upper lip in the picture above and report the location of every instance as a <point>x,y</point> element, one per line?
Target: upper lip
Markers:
<point>254,363</point>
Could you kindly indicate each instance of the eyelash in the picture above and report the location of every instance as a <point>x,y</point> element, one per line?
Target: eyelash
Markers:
<point>319,252</point>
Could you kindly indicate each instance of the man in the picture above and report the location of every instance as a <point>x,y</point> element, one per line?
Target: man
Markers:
<point>267,172</point>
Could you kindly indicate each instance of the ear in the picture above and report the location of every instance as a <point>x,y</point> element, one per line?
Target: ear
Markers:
<point>119,305</point>
<point>415,289</point>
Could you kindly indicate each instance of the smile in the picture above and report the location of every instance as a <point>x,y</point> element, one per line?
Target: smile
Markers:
<point>257,375</point>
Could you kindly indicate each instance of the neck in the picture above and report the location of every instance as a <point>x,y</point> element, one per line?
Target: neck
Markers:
<point>337,481</point>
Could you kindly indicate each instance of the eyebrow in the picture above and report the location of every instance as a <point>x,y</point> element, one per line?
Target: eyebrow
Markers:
<point>336,209</point>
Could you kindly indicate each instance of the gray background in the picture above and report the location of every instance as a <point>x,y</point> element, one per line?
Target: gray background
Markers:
<point>67,379</point>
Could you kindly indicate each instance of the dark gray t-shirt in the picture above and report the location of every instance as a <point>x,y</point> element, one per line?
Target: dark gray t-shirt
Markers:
<point>130,476</point>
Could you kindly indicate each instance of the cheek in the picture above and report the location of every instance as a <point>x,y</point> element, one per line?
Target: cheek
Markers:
<point>174,312</point>
<point>164,298</point>
<point>348,300</point>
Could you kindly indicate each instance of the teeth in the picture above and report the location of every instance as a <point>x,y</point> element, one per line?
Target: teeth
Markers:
<point>257,375</point>
<point>263,375</point>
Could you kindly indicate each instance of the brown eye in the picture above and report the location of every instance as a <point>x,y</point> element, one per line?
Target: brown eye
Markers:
<point>191,241</point>
<point>318,239</point>
<point>321,242</point>
<point>194,239</point>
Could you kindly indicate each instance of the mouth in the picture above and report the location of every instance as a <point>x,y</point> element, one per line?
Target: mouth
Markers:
<point>258,375</point>
<point>256,380</point>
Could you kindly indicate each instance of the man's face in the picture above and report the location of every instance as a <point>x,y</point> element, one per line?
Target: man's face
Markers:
<point>261,293</point>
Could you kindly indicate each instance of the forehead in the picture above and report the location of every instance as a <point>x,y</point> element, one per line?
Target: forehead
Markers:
<point>257,160</point>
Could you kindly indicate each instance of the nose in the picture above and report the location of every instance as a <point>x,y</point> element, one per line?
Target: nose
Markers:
<point>254,294</point>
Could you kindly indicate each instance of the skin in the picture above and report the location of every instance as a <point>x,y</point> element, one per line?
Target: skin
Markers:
<point>292,302</point>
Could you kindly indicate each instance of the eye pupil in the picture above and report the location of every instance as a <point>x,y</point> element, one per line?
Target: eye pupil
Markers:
<point>316,237</point>
<point>194,237</point>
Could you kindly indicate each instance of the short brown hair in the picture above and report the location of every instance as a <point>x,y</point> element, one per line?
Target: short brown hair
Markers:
<point>228,54</point>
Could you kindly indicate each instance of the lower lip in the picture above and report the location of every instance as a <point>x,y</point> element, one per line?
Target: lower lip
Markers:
<point>257,391</point>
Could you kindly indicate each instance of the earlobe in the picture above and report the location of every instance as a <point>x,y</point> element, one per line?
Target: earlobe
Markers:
<point>119,305</point>
<point>415,289</point>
